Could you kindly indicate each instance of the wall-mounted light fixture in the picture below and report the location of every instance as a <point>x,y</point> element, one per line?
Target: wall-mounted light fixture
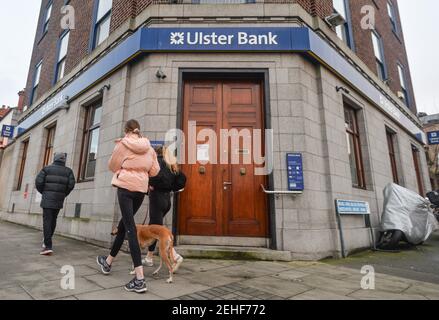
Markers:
<point>342,89</point>
<point>105,87</point>
<point>160,74</point>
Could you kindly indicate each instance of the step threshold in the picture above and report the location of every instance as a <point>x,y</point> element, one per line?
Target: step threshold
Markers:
<point>232,253</point>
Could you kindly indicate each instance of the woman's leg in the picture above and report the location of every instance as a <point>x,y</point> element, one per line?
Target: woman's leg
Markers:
<point>157,205</point>
<point>129,201</point>
<point>117,244</point>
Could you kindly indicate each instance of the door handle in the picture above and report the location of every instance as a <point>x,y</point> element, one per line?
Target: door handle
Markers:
<point>227,183</point>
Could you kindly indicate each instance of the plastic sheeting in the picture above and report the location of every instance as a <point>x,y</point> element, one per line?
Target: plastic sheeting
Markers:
<point>407,211</point>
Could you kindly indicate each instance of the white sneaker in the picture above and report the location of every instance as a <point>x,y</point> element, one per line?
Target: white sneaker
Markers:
<point>178,263</point>
<point>149,262</point>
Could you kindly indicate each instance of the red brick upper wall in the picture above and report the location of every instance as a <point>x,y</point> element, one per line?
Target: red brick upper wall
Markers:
<point>394,46</point>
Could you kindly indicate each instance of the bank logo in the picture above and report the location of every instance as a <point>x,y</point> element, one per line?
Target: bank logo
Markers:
<point>177,38</point>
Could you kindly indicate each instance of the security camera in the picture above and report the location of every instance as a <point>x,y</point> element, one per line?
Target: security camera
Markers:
<point>160,74</point>
<point>335,19</point>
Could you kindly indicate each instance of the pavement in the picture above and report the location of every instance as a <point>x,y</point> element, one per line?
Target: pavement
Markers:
<point>25,275</point>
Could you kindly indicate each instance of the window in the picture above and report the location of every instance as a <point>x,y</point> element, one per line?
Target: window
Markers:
<point>47,17</point>
<point>62,55</point>
<point>25,146</point>
<point>343,31</point>
<point>392,154</point>
<point>102,24</point>
<point>354,147</point>
<point>48,151</point>
<point>379,55</point>
<point>37,74</point>
<point>90,141</point>
<point>416,162</point>
<point>402,81</point>
<point>392,16</point>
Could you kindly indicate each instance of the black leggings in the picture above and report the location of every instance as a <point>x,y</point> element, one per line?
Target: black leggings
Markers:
<point>130,203</point>
<point>159,206</point>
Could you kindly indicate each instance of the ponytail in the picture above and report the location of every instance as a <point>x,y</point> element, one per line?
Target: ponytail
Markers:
<point>133,126</point>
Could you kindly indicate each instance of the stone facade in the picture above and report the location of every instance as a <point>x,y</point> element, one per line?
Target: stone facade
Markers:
<point>307,116</point>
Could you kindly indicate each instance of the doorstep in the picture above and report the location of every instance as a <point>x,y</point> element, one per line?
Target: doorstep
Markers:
<point>232,253</point>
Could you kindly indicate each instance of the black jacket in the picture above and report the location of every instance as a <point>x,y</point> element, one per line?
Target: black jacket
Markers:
<point>164,181</point>
<point>55,182</point>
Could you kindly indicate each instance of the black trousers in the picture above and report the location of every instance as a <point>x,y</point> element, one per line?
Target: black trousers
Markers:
<point>49,225</point>
<point>159,206</point>
<point>130,203</point>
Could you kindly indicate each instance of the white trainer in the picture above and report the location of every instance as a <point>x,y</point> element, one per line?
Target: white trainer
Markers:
<point>149,262</point>
<point>178,262</point>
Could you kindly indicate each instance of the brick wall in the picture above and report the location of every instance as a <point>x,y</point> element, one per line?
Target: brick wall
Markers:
<point>394,46</point>
<point>45,47</point>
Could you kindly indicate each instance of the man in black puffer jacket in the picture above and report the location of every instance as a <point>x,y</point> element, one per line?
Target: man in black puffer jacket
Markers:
<point>54,182</point>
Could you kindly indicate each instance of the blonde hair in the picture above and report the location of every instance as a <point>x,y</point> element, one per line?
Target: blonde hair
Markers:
<point>170,159</point>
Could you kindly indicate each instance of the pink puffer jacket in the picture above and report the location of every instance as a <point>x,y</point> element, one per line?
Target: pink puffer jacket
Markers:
<point>133,161</point>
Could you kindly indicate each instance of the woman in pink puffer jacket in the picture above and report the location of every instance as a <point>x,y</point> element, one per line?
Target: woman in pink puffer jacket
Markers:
<point>133,161</point>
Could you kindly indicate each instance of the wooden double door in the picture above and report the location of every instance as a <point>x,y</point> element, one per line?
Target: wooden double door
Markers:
<point>223,197</point>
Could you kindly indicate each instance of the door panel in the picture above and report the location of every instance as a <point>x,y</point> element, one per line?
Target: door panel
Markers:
<point>198,213</point>
<point>223,199</point>
<point>242,110</point>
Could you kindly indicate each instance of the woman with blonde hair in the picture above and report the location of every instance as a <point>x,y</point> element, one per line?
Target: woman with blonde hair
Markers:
<point>133,163</point>
<point>170,179</point>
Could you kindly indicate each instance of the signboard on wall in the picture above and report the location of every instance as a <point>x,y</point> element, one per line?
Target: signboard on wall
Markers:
<point>433,137</point>
<point>350,207</point>
<point>295,172</point>
<point>8,131</point>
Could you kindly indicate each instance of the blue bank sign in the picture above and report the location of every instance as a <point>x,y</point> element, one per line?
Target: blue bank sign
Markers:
<point>433,137</point>
<point>225,39</point>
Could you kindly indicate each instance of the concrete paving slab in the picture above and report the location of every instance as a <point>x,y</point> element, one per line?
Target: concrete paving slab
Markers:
<point>384,295</point>
<point>432,294</point>
<point>52,289</point>
<point>211,278</point>
<point>116,294</point>
<point>55,273</point>
<point>290,275</point>
<point>329,284</point>
<point>179,287</point>
<point>279,287</point>
<point>14,293</point>
<point>318,294</point>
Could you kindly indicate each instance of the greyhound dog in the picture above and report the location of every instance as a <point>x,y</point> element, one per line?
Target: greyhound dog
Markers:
<point>147,234</point>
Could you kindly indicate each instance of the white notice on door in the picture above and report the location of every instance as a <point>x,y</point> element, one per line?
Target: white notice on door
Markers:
<point>203,152</point>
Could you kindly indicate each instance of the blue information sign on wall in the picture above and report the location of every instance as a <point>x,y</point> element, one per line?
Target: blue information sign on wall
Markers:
<point>352,207</point>
<point>157,144</point>
<point>433,137</point>
<point>8,131</point>
<point>295,172</point>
